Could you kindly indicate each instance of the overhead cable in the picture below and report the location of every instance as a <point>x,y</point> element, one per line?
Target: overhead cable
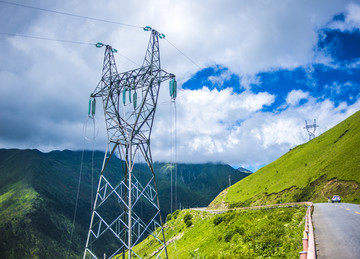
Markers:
<point>70,14</point>
<point>162,36</point>
<point>60,40</point>
<point>45,38</point>
<point>192,61</point>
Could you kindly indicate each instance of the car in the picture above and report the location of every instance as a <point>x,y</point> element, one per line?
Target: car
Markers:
<point>336,198</point>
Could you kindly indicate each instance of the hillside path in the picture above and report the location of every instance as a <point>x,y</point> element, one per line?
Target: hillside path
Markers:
<point>337,230</point>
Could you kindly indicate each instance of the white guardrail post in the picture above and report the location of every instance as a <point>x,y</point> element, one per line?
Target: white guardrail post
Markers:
<point>309,251</point>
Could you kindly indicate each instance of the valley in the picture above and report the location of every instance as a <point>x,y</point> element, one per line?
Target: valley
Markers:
<point>38,194</point>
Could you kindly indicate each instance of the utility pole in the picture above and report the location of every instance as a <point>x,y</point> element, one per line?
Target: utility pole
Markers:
<point>129,102</point>
<point>311,129</point>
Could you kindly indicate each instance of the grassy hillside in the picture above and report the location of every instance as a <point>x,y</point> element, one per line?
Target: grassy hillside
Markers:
<point>274,233</point>
<point>36,206</point>
<point>328,164</point>
<point>38,193</point>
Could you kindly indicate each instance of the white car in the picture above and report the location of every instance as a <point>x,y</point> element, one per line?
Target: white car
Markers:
<point>336,198</point>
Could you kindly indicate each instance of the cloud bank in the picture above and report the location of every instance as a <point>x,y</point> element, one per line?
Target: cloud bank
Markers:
<point>261,69</point>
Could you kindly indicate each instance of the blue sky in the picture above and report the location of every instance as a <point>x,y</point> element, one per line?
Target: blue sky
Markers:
<point>258,70</point>
<point>338,81</point>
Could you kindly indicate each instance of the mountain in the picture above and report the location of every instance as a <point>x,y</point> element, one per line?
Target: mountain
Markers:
<point>198,184</point>
<point>327,165</point>
<point>38,194</point>
<point>244,170</point>
<point>37,205</point>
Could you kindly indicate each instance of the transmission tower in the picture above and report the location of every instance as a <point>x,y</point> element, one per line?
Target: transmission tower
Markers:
<point>311,129</point>
<point>126,207</point>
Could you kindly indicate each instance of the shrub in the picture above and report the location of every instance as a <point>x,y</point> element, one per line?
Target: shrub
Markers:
<point>187,219</point>
<point>228,235</point>
<point>176,213</point>
<point>240,204</point>
<point>168,217</point>
<point>228,216</point>
<point>240,230</point>
<point>188,223</point>
<point>218,220</point>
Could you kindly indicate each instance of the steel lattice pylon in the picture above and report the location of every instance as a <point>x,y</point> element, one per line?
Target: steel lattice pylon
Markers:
<point>311,129</point>
<point>129,102</point>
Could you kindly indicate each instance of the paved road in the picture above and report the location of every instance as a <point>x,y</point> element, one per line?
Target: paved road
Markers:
<point>337,230</point>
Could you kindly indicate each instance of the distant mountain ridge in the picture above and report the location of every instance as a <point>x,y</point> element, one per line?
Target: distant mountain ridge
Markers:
<point>244,170</point>
<point>38,194</point>
<point>327,165</point>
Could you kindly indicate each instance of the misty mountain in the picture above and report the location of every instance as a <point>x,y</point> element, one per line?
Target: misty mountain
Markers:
<point>244,170</point>
<point>38,193</point>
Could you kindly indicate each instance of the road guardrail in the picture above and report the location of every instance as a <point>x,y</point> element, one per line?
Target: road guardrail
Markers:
<point>309,250</point>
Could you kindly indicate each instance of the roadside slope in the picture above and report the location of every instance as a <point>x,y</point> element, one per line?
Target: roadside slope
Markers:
<point>326,165</point>
<point>262,233</point>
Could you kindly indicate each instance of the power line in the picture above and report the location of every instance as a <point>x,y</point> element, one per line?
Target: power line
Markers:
<point>76,203</point>
<point>45,38</point>
<point>87,43</point>
<point>128,59</point>
<point>69,14</point>
<point>88,18</point>
<point>192,61</point>
<point>63,41</point>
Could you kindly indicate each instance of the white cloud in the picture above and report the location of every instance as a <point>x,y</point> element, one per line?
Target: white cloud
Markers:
<point>207,120</point>
<point>45,84</point>
<point>254,102</point>
<point>216,125</point>
<point>220,79</point>
<point>353,16</point>
<point>352,19</point>
<point>240,136</point>
<point>294,97</point>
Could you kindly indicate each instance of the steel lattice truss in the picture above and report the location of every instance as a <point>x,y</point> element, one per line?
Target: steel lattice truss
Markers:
<point>129,100</point>
<point>311,129</point>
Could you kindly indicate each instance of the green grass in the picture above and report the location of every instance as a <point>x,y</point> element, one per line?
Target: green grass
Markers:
<point>326,165</point>
<point>17,201</point>
<point>265,233</point>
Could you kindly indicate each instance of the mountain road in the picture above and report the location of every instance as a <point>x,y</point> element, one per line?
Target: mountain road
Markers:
<point>337,230</point>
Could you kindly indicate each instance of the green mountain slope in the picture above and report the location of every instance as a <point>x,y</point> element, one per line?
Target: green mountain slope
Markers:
<point>38,194</point>
<point>35,214</point>
<point>274,233</point>
<point>326,165</point>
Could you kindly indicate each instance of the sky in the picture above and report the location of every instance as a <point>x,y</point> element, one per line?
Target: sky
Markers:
<point>249,73</point>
